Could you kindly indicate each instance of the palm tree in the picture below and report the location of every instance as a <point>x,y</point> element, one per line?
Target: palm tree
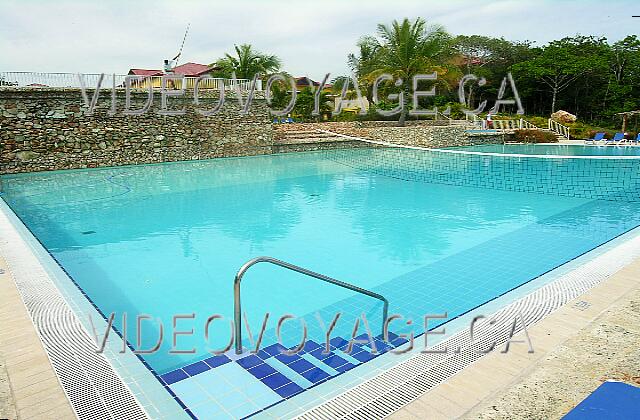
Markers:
<point>363,64</point>
<point>306,102</point>
<point>247,63</point>
<point>409,48</point>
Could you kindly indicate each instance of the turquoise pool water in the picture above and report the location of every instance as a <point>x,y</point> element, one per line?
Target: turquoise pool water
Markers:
<point>559,150</point>
<point>167,239</point>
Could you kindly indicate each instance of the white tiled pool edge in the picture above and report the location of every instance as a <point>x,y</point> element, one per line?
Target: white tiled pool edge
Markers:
<point>108,385</point>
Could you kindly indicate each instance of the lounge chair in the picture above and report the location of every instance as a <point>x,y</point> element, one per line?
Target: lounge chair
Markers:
<point>290,120</point>
<point>617,139</point>
<point>597,137</point>
<point>636,141</point>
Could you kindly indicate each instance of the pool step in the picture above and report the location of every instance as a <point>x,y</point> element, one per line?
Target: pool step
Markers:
<point>288,375</point>
<point>308,140</point>
<point>305,133</point>
<point>291,137</point>
<point>311,366</point>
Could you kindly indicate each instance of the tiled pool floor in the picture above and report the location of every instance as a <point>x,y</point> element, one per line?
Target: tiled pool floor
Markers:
<point>223,388</point>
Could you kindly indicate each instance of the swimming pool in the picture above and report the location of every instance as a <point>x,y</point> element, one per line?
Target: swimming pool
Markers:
<point>557,149</point>
<point>168,239</point>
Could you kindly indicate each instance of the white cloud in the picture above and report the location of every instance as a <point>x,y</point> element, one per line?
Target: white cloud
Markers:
<point>311,37</point>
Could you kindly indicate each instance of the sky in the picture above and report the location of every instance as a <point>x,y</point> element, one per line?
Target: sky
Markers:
<point>311,38</point>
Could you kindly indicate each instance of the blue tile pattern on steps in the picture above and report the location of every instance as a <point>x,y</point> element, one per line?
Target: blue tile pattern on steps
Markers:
<point>276,380</point>
<point>195,368</point>
<point>289,390</point>
<point>301,365</point>
<point>262,370</point>
<point>298,371</point>
<point>255,382</point>
<point>174,376</point>
<point>216,361</point>
<point>334,361</point>
<point>315,375</point>
<point>249,361</point>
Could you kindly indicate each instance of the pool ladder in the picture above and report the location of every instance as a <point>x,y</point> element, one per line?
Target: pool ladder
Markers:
<point>237,311</point>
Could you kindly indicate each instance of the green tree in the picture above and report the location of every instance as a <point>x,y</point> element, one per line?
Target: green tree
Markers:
<point>362,64</point>
<point>586,75</point>
<point>246,63</point>
<point>623,86</point>
<point>626,57</point>
<point>490,58</point>
<point>305,103</point>
<point>562,62</point>
<point>404,49</point>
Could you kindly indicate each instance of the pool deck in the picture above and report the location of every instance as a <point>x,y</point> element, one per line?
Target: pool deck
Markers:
<point>29,386</point>
<point>585,342</point>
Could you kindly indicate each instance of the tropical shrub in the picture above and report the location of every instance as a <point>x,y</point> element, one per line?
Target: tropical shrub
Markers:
<point>534,136</point>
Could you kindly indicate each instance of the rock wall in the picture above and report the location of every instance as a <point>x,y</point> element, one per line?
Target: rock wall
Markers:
<point>47,129</point>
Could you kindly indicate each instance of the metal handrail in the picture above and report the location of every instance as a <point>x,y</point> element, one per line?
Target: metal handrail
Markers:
<point>475,120</point>
<point>560,129</point>
<point>446,117</point>
<point>527,125</point>
<point>237,311</point>
<point>506,125</point>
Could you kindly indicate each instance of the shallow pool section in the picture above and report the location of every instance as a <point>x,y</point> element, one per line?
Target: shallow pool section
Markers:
<point>554,149</point>
<point>166,240</point>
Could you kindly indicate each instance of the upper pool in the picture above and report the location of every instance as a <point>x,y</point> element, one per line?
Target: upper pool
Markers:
<point>558,150</point>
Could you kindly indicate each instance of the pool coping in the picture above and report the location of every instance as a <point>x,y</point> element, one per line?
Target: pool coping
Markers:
<point>34,387</point>
<point>612,315</point>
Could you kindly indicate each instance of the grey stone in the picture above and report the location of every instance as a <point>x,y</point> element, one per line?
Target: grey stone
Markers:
<point>27,156</point>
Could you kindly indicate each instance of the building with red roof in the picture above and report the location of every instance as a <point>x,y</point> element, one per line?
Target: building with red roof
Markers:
<point>193,69</point>
<point>145,72</point>
<point>306,82</point>
<point>186,69</point>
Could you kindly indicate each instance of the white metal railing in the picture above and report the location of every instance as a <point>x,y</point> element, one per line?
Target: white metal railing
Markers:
<point>527,125</point>
<point>71,80</point>
<point>473,118</point>
<point>440,114</point>
<point>237,307</point>
<point>505,125</point>
<point>560,129</point>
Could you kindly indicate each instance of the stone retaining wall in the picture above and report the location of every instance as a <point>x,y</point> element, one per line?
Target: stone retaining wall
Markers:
<point>48,130</point>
